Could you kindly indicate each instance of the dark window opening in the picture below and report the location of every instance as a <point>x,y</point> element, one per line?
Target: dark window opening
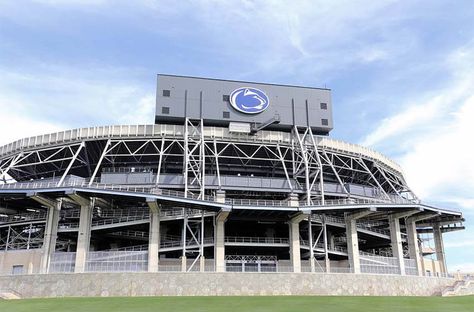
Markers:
<point>225,98</point>
<point>165,110</point>
<point>324,105</point>
<point>166,93</point>
<point>324,122</point>
<point>226,115</point>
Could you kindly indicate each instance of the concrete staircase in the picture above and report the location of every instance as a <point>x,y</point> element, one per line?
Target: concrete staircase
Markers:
<point>463,287</point>
<point>9,295</point>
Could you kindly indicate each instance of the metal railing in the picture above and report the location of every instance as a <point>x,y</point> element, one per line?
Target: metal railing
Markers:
<point>153,189</point>
<point>131,233</point>
<point>169,241</point>
<point>258,202</point>
<point>257,240</point>
<point>143,247</point>
<point>359,201</point>
<point>148,189</point>
<point>361,224</point>
<point>335,248</point>
<point>23,217</point>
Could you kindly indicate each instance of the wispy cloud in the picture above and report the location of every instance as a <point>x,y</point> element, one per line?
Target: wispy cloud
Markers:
<point>433,135</point>
<point>60,97</point>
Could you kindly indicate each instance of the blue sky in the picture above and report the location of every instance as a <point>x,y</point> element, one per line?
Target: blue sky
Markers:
<point>402,73</point>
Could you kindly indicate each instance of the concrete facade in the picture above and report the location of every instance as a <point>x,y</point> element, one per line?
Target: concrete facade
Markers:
<point>29,260</point>
<point>220,284</point>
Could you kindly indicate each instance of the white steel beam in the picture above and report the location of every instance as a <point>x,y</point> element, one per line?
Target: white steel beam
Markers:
<point>71,163</point>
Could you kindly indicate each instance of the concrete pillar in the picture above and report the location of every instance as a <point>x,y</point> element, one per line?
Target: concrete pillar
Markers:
<point>331,241</point>
<point>353,239</point>
<point>293,200</point>
<point>295,252</point>
<point>439,246</point>
<point>413,247</point>
<point>184,263</point>
<point>154,235</point>
<point>83,236</point>
<point>396,242</point>
<point>220,196</point>
<point>219,252</point>
<point>50,236</point>
<point>353,245</point>
<point>202,264</point>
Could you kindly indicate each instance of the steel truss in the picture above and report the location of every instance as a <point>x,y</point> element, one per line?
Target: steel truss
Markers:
<point>304,163</point>
<point>25,236</point>
<point>316,239</point>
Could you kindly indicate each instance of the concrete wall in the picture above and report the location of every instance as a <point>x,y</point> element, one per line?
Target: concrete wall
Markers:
<point>212,284</point>
<point>431,267</point>
<point>29,259</point>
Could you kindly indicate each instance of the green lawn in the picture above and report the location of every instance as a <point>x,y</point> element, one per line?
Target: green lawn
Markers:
<point>243,304</point>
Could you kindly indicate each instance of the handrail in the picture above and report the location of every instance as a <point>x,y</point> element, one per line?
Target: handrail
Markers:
<point>258,202</point>
<point>357,201</point>
<point>305,242</point>
<point>153,189</point>
<point>256,240</point>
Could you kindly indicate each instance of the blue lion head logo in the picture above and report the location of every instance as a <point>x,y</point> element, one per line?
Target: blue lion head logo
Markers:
<point>249,100</point>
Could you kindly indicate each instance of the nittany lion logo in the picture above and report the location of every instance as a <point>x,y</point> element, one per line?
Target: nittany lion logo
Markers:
<point>249,100</point>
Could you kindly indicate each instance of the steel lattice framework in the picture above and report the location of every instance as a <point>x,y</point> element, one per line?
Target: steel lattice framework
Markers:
<point>119,180</point>
<point>304,161</point>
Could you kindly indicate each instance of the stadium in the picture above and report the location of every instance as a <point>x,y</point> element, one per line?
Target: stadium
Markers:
<point>234,177</point>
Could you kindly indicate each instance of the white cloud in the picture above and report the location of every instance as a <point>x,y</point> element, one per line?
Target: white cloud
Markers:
<point>52,98</point>
<point>434,136</point>
<point>459,244</point>
<point>466,267</point>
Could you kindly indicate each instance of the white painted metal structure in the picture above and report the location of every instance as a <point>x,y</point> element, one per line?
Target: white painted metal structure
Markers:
<point>170,189</point>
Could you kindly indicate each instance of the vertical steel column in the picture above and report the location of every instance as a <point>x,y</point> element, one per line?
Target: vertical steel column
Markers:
<point>8,238</point>
<point>304,156</point>
<point>320,164</point>
<point>202,157</point>
<point>160,160</point>
<point>184,264</point>
<point>29,236</point>
<point>202,260</point>
<point>216,155</point>
<point>325,238</point>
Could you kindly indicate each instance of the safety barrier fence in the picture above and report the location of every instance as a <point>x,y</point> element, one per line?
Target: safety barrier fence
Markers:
<point>153,189</point>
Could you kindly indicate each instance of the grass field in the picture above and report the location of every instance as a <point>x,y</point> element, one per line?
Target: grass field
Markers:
<point>244,304</point>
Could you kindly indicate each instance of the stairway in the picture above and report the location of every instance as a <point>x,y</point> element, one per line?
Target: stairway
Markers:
<point>463,287</point>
